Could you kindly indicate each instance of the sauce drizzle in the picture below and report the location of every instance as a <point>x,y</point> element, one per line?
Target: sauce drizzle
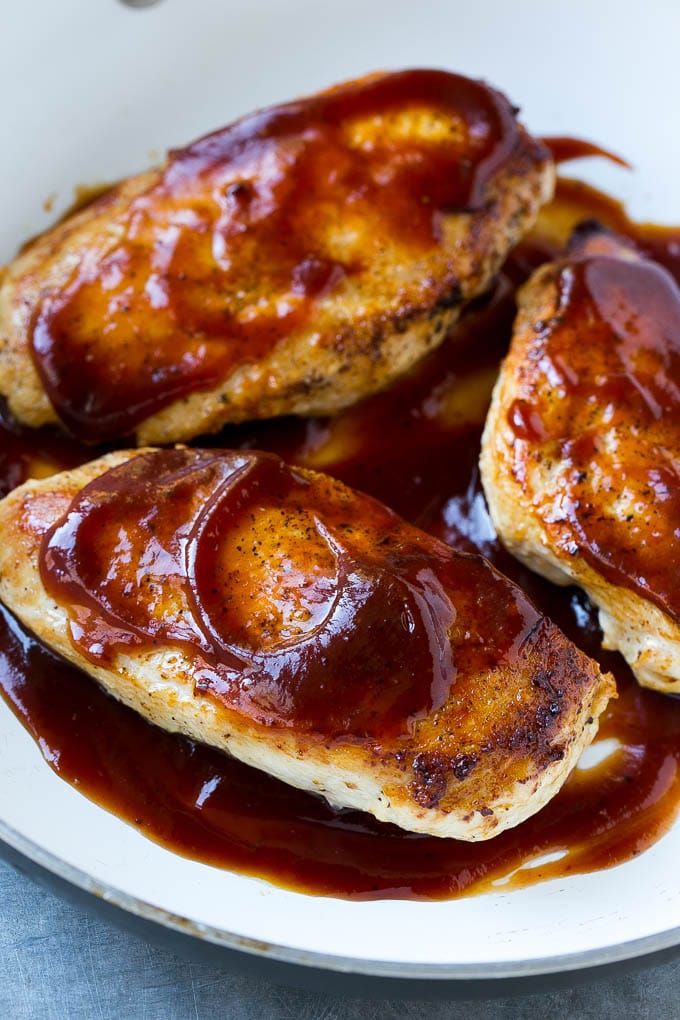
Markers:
<point>291,596</point>
<point>609,358</point>
<point>227,249</point>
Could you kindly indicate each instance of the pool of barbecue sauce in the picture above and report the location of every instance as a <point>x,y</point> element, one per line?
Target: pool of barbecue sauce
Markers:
<point>416,448</point>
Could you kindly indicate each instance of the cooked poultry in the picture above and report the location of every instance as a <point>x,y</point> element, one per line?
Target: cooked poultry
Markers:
<point>291,263</point>
<point>305,628</point>
<point>581,451</point>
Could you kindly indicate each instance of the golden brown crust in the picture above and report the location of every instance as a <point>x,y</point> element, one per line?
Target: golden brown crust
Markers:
<point>498,748</point>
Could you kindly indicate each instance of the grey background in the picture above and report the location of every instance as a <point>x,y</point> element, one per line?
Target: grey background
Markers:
<point>57,962</point>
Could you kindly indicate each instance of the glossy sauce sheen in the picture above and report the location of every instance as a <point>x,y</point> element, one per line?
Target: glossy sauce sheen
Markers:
<point>298,602</point>
<point>189,266</point>
<point>202,804</point>
<point>626,363</point>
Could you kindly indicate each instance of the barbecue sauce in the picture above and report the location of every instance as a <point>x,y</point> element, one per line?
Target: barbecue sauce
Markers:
<point>415,448</point>
<point>224,252</point>
<point>609,355</point>
<point>297,602</point>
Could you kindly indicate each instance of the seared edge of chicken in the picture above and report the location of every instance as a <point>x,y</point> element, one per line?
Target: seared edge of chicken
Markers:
<point>491,756</point>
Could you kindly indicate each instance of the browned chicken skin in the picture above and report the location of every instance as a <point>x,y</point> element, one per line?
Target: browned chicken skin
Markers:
<point>291,263</point>
<point>581,451</point>
<point>305,628</point>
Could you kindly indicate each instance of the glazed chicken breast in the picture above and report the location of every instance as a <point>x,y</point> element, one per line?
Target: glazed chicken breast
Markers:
<point>290,263</point>
<point>581,450</point>
<point>303,627</point>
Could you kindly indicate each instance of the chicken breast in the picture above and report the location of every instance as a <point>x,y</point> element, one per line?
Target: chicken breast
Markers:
<point>303,627</point>
<point>291,263</point>
<point>581,451</point>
